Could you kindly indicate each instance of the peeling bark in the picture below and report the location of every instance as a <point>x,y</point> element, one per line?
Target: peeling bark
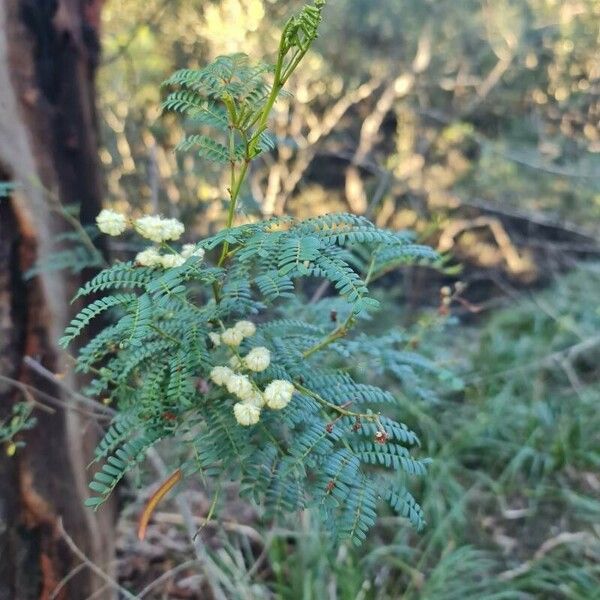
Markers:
<point>48,146</point>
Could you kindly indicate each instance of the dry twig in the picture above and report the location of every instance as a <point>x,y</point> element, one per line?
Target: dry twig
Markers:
<point>112,583</point>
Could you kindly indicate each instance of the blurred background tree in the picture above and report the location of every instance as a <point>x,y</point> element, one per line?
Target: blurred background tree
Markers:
<point>50,179</point>
<point>425,107</point>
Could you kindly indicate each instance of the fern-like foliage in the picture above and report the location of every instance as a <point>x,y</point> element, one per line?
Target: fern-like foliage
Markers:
<point>327,445</point>
<point>326,448</point>
<point>232,97</point>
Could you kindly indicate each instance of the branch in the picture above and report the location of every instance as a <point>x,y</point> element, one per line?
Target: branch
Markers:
<point>281,185</point>
<point>88,563</point>
<point>46,374</point>
<point>165,577</point>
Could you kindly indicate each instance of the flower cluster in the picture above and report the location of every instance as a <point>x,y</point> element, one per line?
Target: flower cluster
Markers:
<point>155,228</point>
<point>189,250</point>
<point>111,222</point>
<point>158,229</point>
<point>151,257</point>
<point>257,359</point>
<point>277,394</point>
<point>152,227</point>
<point>235,335</point>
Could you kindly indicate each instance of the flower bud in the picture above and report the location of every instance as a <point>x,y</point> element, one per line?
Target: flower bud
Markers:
<point>246,414</point>
<point>278,394</point>
<point>246,328</point>
<point>111,222</point>
<point>221,375</point>
<point>232,337</point>
<point>258,359</point>
<point>240,386</point>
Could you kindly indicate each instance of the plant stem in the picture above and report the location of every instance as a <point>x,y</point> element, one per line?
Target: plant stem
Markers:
<point>371,268</point>
<point>165,335</point>
<point>234,195</point>
<point>281,75</point>
<point>340,409</point>
<point>336,334</point>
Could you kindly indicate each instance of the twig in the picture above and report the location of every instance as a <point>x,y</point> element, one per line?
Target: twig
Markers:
<point>177,519</point>
<point>336,334</point>
<point>41,370</point>
<point>98,592</point>
<point>261,558</point>
<point>61,584</point>
<point>70,575</point>
<point>319,292</point>
<point>165,577</point>
<point>27,391</point>
<point>55,204</point>
<point>96,569</point>
<point>566,537</point>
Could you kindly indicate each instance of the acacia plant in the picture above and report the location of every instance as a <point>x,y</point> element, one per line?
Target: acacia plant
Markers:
<point>210,344</point>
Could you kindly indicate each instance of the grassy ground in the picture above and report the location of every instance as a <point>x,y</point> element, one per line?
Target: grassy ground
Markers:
<point>513,495</point>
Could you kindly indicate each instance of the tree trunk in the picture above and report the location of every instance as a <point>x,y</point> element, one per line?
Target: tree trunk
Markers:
<point>48,150</point>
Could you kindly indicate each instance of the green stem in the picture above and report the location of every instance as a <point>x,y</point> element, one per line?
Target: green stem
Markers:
<point>293,64</point>
<point>277,85</point>
<point>234,195</point>
<point>339,409</point>
<point>336,334</point>
<point>281,75</point>
<point>165,334</point>
<point>371,269</point>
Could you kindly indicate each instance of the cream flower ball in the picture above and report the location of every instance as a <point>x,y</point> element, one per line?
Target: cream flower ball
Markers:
<point>240,386</point>
<point>169,261</point>
<point>188,250</point>
<point>111,222</point>
<point>246,414</point>
<point>258,359</point>
<point>150,227</point>
<point>221,375</point>
<point>278,394</point>
<point>215,338</point>
<point>246,328</point>
<point>149,258</point>
<point>157,229</point>
<point>172,229</point>
<point>232,337</point>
